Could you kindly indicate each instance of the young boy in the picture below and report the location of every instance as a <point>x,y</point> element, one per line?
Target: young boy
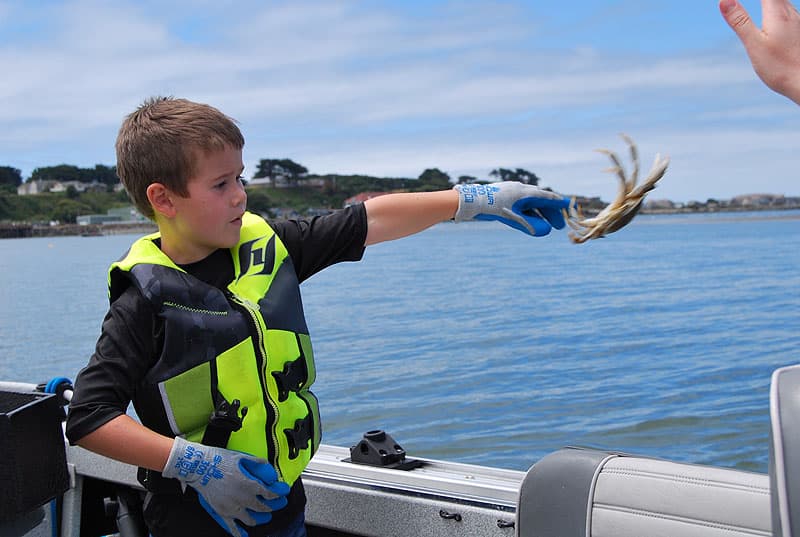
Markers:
<point>206,335</point>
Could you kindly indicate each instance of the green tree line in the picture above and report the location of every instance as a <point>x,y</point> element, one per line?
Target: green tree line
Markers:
<point>63,172</point>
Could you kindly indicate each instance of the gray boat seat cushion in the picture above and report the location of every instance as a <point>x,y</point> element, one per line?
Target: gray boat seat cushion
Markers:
<point>784,469</point>
<point>588,493</point>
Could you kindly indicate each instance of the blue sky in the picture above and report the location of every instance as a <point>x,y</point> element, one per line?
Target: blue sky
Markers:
<point>392,88</point>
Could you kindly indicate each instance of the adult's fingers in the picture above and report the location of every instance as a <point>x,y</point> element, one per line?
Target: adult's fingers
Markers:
<point>739,20</point>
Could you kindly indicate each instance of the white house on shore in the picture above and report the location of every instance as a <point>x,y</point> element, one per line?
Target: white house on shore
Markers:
<point>30,188</point>
<point>40,186</point>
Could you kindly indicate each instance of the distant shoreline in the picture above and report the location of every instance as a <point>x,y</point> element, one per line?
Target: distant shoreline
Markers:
<point>724,216</point>
<point>27,230</point>
<point>732,211</point>
<point>24,231</point>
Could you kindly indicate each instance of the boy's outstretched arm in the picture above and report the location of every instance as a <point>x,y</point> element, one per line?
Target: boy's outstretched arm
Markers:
<point>524,207</point>
<point>394,216</point>
<point>774,49</point>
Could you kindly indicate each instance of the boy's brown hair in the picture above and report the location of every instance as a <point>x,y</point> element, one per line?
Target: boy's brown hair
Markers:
<point>158,143</point>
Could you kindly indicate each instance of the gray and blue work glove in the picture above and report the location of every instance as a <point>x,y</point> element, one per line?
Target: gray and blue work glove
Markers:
<point>524,207</point>
<point>235,488</point>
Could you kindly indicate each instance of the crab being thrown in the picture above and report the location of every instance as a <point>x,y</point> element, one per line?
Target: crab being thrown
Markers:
<point>627,203</point>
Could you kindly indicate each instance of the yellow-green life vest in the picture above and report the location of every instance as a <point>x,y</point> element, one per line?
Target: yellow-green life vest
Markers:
<point>249,342</point>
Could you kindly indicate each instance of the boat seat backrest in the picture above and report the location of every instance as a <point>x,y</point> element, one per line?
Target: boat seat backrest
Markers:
<point>589,493</point>
<point>784,467</point>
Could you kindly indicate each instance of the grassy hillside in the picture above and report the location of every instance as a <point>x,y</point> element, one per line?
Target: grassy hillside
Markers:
<point>61,207</point>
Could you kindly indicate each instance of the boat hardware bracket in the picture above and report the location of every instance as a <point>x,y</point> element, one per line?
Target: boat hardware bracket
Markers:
<point>378,448</point>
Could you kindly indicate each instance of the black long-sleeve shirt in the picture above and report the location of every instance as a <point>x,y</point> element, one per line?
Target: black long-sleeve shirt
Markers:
<point>132,337</point>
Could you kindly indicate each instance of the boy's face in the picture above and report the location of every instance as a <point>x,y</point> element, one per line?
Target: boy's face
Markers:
<point>211,216</point>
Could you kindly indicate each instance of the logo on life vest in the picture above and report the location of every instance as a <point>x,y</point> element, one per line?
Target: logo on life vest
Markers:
<point>255,259</point>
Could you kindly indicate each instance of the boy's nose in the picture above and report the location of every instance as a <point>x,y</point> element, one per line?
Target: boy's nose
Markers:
<point>241,196</point>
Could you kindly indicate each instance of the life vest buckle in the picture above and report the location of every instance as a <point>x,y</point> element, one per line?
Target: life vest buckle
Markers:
<point>292,378</point>
<point>299,436</point>
<point>223,421</point>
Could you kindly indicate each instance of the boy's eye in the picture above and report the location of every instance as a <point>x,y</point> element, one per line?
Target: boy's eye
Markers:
<point>224,182</point>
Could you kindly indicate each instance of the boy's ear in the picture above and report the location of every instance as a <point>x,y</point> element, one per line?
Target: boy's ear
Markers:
<point>160,198</point>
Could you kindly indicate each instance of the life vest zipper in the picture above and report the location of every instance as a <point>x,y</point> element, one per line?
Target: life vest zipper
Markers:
<point>261,362</point>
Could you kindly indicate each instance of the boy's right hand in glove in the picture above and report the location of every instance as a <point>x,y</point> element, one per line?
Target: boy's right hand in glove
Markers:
<point>524,207</point>
<point>235,488</point>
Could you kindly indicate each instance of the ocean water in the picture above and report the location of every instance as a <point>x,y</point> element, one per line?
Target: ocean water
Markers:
<point>475,343</point>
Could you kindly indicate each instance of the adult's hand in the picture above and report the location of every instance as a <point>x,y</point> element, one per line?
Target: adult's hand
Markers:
<point>774,49</point>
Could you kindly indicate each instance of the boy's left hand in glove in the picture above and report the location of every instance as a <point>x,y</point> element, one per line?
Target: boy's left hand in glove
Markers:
<point>524,207</point>
<point>233,487</point>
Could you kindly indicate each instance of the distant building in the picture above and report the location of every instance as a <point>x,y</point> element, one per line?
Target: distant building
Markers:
<point>87,219</point>
<point>119,214</point>
<point>313,182</point>
<point>79,186</point>
<point>260,181</point>
<point>659,205</point>
<point>758,200</point>
<point>41,186</point>
<point>30,188</point>
<point>287,181</point>
<point>127,214</point>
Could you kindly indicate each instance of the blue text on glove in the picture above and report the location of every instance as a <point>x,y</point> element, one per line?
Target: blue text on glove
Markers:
<point>193,462</point>
<point>471,192</point>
